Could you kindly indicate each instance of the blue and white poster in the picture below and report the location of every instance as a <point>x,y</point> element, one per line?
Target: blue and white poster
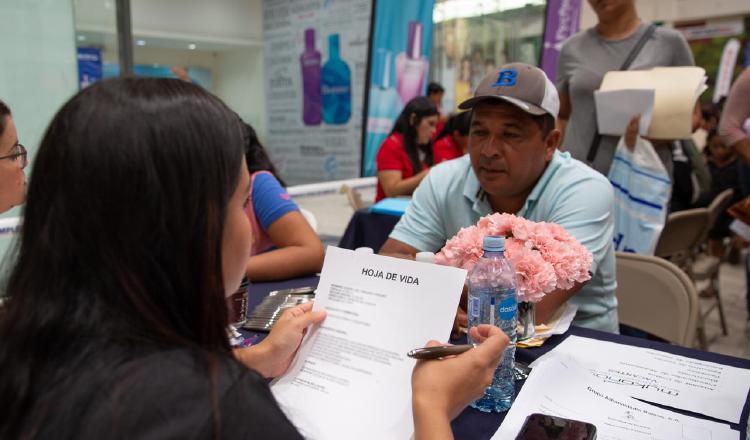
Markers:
<point>315,63</point>
<point>399,66</point>
<point>89,66</point>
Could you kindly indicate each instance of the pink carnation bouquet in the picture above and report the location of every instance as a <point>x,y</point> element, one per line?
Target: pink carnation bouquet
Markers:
<point>544,256</point>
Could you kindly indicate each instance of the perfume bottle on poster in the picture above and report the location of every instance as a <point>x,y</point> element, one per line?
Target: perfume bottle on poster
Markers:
<point>335,86</point>
<point>411,66</point>
<point>310,65</point>
<point>384,105</point>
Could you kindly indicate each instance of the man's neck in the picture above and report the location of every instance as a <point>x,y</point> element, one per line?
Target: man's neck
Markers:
<point>508,205</point>
<point>620,27</point>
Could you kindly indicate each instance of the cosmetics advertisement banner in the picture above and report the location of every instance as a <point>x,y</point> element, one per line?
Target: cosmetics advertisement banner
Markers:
<point>315,58</point>
<point>399,65</point>
<point>562,22</point>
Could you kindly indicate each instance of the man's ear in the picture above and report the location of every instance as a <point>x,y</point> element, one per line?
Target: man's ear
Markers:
<point>551,143</point>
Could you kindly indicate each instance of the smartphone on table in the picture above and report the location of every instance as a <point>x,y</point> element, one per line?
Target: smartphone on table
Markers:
<point>546,427</point>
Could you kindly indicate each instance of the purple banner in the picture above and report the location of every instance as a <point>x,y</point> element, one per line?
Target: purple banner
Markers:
<point>562,21</point>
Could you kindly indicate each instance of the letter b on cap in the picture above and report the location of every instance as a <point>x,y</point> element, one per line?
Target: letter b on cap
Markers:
<point>506,78</point>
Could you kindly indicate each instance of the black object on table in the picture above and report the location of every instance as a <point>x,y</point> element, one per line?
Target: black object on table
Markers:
<point>368,229</point>
<point>474,424</point>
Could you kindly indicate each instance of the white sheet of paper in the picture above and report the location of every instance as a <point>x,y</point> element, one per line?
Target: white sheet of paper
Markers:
<point>676,90</point>
<point>615,415</point>
<point>615,109</point>
<point>351,377</point>
<point>707,388</point>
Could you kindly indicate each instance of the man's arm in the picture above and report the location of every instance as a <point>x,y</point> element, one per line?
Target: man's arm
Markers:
<point>399,249</point>
<point>591,223</point>
<point>552,301</point>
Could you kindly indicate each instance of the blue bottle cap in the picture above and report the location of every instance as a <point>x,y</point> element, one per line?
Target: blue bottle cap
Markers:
<point>494,243</point>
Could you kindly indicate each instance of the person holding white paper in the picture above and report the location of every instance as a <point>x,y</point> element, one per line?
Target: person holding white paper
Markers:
<point>587,56</point>
<point>116,321</point>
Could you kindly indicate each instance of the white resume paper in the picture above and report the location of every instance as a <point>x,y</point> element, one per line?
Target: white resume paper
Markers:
<point>615,109</point>
<point>561,387</point>
<point>702,387</point>
<point>351,378</point>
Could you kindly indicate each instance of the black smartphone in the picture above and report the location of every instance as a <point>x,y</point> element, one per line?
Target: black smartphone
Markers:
<point>545,427</point>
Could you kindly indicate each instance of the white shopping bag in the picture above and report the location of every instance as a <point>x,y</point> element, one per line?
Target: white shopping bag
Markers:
<point>642,191</point>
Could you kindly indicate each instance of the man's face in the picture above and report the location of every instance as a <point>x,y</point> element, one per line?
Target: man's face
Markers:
<point>507,148</point>
<point>607,10</point>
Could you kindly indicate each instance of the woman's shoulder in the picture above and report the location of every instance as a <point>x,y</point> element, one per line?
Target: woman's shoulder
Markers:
<point>668,33</point>
<point>392,145</point>
<point>264,179</point>
<point>395,140</point>
<point>168,393</point>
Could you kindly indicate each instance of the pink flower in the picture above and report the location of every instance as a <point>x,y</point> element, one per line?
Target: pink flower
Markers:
<point>544,256</point>
<point>497,224</point>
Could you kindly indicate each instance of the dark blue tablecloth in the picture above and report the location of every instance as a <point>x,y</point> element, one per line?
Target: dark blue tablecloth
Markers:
<point>368,229</point>
<point>472,424</point>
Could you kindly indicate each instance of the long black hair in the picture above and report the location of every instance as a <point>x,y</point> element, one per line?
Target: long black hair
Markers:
<point>121,243</point>
<point>4,111</point>
<point>460,122</point>
<point>256,156</point>
<point>421,107</point>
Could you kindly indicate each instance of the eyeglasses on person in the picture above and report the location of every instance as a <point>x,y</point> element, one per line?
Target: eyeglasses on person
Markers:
<point>19,152</point>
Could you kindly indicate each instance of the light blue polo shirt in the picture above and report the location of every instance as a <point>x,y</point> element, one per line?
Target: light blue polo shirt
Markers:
<point>569,193</point>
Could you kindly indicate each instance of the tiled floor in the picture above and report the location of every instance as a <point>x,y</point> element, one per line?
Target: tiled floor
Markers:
<point>333,213</point>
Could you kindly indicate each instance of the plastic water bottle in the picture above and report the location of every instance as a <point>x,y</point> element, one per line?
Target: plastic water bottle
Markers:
<point>425,257</point>
<point>492,300</point>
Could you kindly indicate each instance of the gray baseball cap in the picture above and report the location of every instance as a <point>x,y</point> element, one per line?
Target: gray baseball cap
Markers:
<point>525,86</point>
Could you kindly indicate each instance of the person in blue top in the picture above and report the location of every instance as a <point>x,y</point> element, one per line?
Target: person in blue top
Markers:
<point>284,245</point>
<point>513,166</point>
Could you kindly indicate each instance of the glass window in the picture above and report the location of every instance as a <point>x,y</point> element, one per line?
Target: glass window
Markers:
<point>471,37</point>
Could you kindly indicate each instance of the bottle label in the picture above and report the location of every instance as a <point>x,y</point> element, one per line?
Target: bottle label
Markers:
<point>474,307</point>
<point>508,308</point>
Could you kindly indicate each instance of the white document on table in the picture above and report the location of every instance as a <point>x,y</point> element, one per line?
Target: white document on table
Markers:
<point>615,109</point>
<point>561,387</point>
<point>702,387</point>
<point>351,377</point>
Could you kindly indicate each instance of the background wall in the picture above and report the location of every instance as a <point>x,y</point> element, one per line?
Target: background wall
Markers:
<point>224,36</point>
<point>39,69</point>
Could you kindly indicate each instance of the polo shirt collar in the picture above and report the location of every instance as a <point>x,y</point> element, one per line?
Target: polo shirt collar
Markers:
<point>471,190</point>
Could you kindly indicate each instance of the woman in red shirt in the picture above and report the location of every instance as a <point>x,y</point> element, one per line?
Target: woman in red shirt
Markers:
<point>453,141</point>
<point>406,155</point>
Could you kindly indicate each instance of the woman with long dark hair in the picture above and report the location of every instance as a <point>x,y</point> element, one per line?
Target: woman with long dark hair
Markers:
<point>405,156</point>
<point>284,244</point>
<point>12,162</point>
<point>134,234</point>
<point>453,140</point>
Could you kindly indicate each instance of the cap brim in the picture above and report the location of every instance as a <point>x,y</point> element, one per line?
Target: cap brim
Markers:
<point>523,105</point>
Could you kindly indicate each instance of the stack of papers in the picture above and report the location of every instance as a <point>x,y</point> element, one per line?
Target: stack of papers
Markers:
<point>681,382</point>
<point>615,415</point>
<point>675,91</point>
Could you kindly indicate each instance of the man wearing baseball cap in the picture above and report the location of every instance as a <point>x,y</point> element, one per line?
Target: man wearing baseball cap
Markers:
<point>513,166</point>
